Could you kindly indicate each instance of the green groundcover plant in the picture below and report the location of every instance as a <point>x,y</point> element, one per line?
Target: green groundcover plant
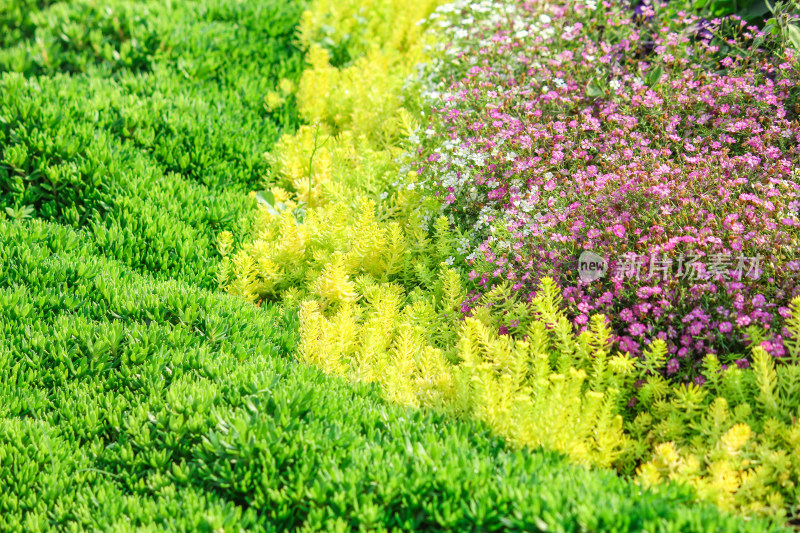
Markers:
<point>144,123</point>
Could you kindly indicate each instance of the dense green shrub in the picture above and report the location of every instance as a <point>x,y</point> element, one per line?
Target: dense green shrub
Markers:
<point>15,19</point>
<point>153,156</point>
<point>133,403</point>
<point>69,170</point>
<point>203,39</point>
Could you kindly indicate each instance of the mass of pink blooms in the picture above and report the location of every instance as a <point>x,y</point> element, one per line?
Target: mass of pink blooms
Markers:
<point>666,145</point>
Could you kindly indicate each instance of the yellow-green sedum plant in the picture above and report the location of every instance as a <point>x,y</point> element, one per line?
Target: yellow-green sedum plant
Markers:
<point>736,439</point>
<point>552,389</point>
<point>320,226</point>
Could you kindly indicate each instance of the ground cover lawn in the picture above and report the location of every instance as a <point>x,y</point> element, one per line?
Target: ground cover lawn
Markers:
<point>137,395</point>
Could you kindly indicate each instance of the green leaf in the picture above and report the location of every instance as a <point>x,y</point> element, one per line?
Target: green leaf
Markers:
<point>265,198</point>
<point>755,11</point>
<point>594,90</point>
<point>654,76</point>
<point>793,33</point>
<point>20,213</point>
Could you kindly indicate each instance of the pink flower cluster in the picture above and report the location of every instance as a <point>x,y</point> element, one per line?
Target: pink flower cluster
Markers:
<point>571,130</point>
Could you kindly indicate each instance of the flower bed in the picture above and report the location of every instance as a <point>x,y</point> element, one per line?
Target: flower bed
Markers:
<point>667,150</point>
<point>377,277</point>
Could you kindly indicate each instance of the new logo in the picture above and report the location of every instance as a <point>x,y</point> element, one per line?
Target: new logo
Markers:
<point>591,266</point>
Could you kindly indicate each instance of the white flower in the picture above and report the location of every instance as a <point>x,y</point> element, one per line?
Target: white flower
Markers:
<point>544,19</point>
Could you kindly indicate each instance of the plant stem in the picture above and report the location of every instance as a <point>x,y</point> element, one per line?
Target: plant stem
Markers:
<point>311,159</point>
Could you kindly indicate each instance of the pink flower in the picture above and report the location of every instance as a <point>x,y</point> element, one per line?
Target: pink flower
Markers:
<point>673,365</point>
<point>617,229</point>
<point>636,329</point>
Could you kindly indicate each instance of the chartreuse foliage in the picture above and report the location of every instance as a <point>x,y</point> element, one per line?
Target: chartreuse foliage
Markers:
<point>736,440</point>
<point>131,403</point>
<point>356,130</point>
<point>551,389</point>
<point>380,303</point>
